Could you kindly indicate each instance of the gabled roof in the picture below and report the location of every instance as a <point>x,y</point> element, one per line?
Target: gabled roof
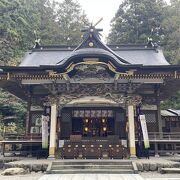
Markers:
<point>91,47</point>
<point>53,56</point>
<point>166,113</point>
<point>176,112</point>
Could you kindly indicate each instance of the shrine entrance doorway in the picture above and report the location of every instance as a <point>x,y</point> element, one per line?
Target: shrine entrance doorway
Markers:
<point>93,123</point>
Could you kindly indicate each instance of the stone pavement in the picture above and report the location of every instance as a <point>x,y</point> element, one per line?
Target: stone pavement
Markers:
<point>92,177</point>
<point>103,177</point>
<point>162,179</point>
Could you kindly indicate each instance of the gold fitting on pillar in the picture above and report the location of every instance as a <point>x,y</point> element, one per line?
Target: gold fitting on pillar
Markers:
<point>52,151</point>
<point>132,151</point>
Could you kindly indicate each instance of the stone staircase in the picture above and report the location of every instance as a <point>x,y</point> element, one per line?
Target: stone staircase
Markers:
<point>92,167</point>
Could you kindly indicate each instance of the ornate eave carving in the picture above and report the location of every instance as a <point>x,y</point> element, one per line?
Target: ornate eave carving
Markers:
<point>134,100</point>
<point>91,71</point>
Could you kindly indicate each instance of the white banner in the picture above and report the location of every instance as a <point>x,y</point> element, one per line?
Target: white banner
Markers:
<point>45,121</point>
<point>144,131</point>
<point>61,143</point>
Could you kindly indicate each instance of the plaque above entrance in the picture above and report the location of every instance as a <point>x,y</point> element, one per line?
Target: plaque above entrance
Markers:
<point>94,113</point>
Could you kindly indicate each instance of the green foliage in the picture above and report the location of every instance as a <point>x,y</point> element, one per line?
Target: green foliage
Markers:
<point>171,28</point>
<point>12,106</point>
<point>172,103</point>
<point>54,23</point>
<point>136,20</point>
<point>71,20</point>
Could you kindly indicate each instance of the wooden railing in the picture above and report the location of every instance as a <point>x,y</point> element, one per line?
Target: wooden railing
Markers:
<point>22,136</point>
<point>164,136</point>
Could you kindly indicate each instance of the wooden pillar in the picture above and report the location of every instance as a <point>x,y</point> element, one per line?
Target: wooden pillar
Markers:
<point>159,117</point>
<point>28,115</point>
<point>53,124</point>
<point>156,149</point>
<point>159,112</point>
<point>132,145</point>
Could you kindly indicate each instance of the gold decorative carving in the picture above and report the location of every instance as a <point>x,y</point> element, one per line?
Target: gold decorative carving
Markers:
<point>175,74</point>
<point>91,71</point>
<point>8,76</point>
<point>118,98</point>
<point>90,60</point>
<point>134,100</point>
<point>50,100</point>
<point>53,74</point>
<point>91,44</point>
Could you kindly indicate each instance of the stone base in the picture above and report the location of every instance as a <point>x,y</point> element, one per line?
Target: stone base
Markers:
<point>156,155</point>
<point>133,157</point>
<point>51,157</point>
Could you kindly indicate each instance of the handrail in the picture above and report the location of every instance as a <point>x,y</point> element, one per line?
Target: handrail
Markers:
<point>22,136</point>
<point>164,135</point>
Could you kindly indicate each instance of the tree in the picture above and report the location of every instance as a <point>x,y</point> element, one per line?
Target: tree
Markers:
<point>171,28</point>
<point>71,20</point>
<point>12,106</point>
<point>54,23</point>
<point>19,19</point>
<point>172,103</point>
<point>136,20</point>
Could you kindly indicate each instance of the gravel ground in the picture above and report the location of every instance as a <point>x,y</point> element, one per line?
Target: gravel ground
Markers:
<point>146,176</point>
<point>155,175</point>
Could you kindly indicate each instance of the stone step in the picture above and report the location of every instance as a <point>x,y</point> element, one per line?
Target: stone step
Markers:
<point>170,170</point>
<point>91,166</point>
<point>97,162</point>
<point>92,171</point>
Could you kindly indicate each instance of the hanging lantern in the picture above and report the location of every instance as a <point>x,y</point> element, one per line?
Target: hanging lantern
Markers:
<point>104,129</point>
<point>86,129</point>
<point>103,120</point>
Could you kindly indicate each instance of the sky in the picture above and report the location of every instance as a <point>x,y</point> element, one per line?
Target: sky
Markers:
<point>96,9</point>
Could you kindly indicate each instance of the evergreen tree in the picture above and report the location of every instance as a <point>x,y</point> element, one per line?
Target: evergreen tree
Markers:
<point>19,19</point>
<point>171,28</point>
<point>71,20</point>
<point>172,103</point>
<point>136,20</point>
<point>55,23</point>
<point>10,105</point>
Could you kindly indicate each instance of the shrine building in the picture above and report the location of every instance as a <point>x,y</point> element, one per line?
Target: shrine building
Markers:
<point>92,95</point>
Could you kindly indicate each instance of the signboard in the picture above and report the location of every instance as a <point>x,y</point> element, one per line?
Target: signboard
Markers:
<point>93,113</point>
<point>144,131</point>
<point>61,143</point>
<point>124,142</point>
<point>45,121</point>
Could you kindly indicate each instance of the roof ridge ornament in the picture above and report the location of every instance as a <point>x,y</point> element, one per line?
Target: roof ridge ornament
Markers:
<point>91,39</point>
<point>92,29</point>
<point>151,44</point>
<point>37,41</point>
